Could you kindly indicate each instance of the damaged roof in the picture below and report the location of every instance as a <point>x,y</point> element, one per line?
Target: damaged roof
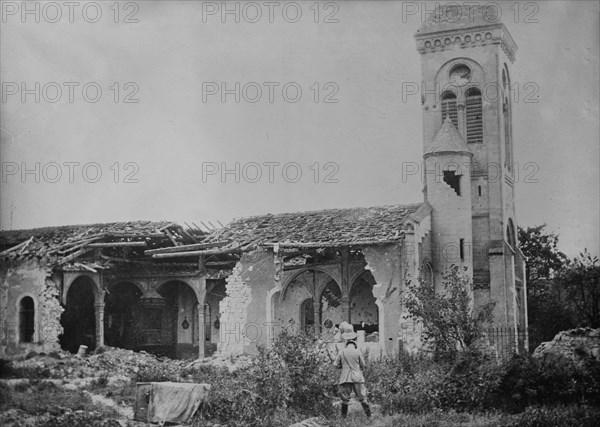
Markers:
<point>331,227</point>
<point>62,240</point>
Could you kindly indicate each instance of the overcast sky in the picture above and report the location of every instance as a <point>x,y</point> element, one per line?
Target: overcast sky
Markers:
<point>161,157</point>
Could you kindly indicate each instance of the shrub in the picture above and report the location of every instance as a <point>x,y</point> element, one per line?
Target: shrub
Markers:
<point>449,321</point>
<point>528,381</point>
<point>293,379</point>
<point>556,416</point>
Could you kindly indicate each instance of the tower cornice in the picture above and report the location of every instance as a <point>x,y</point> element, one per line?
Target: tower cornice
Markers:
<point>461,38</point>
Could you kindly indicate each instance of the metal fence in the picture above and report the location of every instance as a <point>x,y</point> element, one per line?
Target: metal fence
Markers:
<point>508,341</point>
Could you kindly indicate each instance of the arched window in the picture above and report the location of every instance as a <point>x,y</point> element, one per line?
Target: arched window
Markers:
<point>427,273</point>
<point>26,319</point>
<point>510,234</point>
<point>507,137</point>
<point>449,107</point>
<point>474,111</point>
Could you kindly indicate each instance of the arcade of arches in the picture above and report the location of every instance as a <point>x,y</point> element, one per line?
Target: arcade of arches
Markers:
<point>314,301</point>
<point>165,320</point>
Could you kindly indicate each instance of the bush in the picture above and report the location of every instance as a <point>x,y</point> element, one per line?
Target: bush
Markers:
<point>475,382</point>
<point>294,379</point>
<point>404,384</point>
<point>556,416</point>
<point>528,381</point>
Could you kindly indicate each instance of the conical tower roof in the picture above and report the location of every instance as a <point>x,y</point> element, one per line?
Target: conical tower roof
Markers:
<point>448,140</point>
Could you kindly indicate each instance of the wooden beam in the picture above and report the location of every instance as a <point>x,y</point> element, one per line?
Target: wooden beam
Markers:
<point>74,255</point>
<point>331,244</point>
<point>116,244</point>
<point>170,236</point>
<point>182,248</point>
<point>198,253</point>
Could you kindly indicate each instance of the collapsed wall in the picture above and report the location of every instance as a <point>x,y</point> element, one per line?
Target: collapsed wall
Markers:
<point>243,310</point>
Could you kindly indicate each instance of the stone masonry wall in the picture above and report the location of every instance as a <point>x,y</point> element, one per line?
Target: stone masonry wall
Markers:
<point>30,279</point>
<point>243,310</point>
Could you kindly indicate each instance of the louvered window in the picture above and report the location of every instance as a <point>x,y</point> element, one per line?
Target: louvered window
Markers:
<point>474,113</point>
<point>449,107</point>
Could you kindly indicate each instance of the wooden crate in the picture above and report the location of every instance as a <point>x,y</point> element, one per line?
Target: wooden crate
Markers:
<point>143,394</point>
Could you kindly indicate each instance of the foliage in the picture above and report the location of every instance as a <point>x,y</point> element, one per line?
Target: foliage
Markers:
<point>556,416</point>
<point>548,310</point>
<point>475,382</point>
<point>295,378</point>
<point>405,383</point>
<point>448,317</point>
<point>581,279</point>
<point>8,370</point>
<point>544,259</point>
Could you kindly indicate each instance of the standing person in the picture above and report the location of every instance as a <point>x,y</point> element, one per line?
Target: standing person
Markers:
<point>351,362</point>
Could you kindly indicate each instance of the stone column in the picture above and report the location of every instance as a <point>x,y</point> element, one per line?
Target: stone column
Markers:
<point>99,308</point>
<point>346,307</point>
<point>317,315</point>
<point>201,334</point>
<point>345,270</point>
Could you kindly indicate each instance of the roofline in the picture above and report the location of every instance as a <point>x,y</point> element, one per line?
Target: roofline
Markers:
<point>322,210</point>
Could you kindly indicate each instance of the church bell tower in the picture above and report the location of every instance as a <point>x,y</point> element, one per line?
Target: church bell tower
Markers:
<point>466,57</point>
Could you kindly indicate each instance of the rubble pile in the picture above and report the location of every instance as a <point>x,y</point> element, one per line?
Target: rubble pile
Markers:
<point>575,345</point>
<point>112,362</point>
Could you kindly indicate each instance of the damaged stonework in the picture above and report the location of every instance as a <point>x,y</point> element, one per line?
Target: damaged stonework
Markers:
<point>385,264</point>
<point>29,299</point>
<point>243,310</point>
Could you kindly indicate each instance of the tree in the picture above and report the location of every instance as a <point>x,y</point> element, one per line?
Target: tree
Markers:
<point>544,259</point>
<point>547,308</point>
<point>581,280</point>
<point>448,316</point>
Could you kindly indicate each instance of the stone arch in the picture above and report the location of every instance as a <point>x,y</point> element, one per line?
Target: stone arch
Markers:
<point>125,321</point>
<point>179,323</point>
<point>296,289</point>
<point>330,303</point>
<point>185,282</point>
<point>79,318</point>
<point>287,282</point>
<point>71,279</point>
<point>365,313</point>
<point>27,318</point>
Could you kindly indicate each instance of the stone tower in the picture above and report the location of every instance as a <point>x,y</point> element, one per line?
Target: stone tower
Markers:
<point>448,190</point>
<point>466,55</point>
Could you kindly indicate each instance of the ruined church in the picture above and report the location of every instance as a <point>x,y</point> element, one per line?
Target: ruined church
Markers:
<point>191,291</point>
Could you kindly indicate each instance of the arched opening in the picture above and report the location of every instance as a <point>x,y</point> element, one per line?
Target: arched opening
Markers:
<point>449,108</point>
<point>124,321</point>
<point>510,234</point>
<point>330,307</point>
<point>307,316</point>
<point>179,328</point>
<point>79,319</point>
<point>301,295</point>
<point>364,312</point>
<point>26,319</point>
<point>427,273</point>
<point>215,292</point>
<point>474,115</point>
<point>508,156</point>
